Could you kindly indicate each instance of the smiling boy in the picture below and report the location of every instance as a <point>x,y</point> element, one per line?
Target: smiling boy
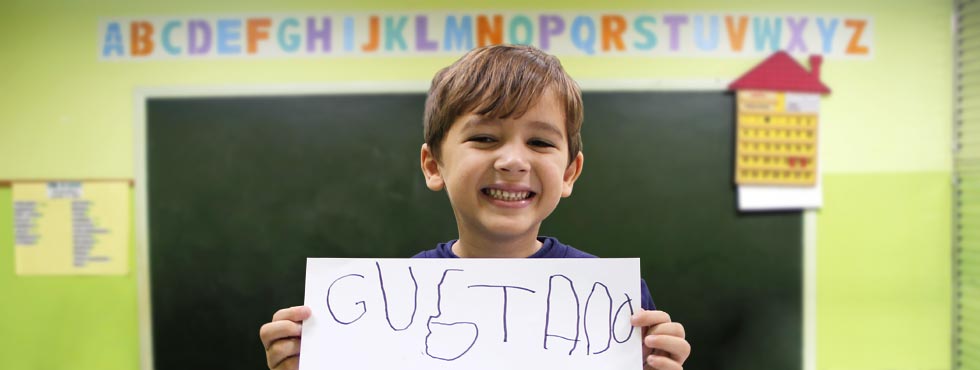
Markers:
<point>502,138</point>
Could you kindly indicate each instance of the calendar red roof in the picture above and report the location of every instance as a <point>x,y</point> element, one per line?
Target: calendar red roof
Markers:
<point>780,72</point>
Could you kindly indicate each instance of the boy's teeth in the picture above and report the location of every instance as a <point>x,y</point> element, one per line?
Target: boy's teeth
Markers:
<point>508,195</point>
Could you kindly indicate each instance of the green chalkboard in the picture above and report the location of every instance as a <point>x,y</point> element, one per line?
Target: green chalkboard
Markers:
<point>242,189</point>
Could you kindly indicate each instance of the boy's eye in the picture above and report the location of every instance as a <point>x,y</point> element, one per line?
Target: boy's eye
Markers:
<point>541,143</point>
<point>482,139</point>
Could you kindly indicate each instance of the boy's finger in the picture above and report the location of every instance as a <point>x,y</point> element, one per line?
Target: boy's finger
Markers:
<point>668,328</point>
<point>663,363</point>
<point>281,350</point>
<point>296,313</point>
<point>678,349</point>
<point>273,331</point>
<point>649,318</point>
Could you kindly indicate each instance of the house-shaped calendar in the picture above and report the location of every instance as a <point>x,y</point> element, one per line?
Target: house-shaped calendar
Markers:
<point>777,123</point>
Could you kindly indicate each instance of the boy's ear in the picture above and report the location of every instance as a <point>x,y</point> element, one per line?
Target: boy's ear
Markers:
<point>430,168</point>
<point>571,174</point>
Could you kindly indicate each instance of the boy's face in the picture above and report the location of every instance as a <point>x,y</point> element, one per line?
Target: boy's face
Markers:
<point>504,176</point>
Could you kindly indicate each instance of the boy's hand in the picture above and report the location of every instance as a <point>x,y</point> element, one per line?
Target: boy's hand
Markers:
<point>281,337</point>
<point>664,346</point>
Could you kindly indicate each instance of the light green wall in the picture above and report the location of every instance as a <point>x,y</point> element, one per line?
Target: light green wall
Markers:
<point>883,286</point>
<point>883,271</point>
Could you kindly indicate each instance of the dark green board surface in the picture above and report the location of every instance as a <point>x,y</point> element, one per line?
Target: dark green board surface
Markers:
<point>243,189</point>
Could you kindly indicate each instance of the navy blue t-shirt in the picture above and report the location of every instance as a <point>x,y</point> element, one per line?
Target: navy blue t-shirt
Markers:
<point>550,248</point>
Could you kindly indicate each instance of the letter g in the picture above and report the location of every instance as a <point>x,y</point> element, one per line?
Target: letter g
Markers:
<point>359,303</point>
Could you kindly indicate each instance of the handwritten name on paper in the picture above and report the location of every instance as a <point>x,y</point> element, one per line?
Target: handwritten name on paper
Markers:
<point>471,314</point>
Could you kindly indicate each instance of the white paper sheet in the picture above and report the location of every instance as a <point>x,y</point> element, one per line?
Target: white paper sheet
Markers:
<point>473,314</point>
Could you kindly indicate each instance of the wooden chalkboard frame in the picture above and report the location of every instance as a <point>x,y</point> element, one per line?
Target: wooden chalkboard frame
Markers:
<point>142,95</point>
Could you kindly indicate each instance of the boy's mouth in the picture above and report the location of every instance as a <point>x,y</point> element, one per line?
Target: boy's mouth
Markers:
<point>508,196</point>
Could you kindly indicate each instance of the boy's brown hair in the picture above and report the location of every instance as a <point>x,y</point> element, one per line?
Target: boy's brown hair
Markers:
<point>500,81</point>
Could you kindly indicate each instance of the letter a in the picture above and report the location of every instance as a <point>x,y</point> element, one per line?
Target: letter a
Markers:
<point>112,43</point>
<point>548,314</point>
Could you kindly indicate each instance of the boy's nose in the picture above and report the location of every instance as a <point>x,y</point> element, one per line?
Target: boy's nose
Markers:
<point>512,161</point>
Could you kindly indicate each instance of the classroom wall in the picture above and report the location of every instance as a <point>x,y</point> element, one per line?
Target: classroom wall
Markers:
<point>883,237</point>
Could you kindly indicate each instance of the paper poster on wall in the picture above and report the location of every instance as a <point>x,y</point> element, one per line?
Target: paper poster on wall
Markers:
<point>473,314</point>
<point>71,227</point>
<point>777,152</point>
<point>595,32</point>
